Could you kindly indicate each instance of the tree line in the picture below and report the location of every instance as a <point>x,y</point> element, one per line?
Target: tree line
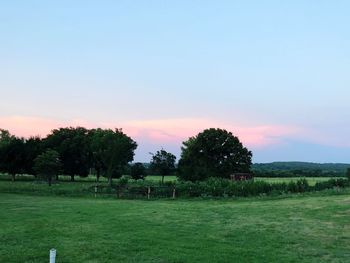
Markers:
<point>75,151</point>
<point>68,151</point>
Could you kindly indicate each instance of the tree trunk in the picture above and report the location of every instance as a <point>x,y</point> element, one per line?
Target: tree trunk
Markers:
<point>49,179</point>
<point>72,178</point>
<point>57,178</point>
<point>13,177</point>
<point>110,181</point>
<point>162,179</point>
<point>98,176</point>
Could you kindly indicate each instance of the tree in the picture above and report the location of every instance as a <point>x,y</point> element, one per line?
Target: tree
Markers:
<point>163,163</point>
<point>12,154</point>
<point>32,148</point>
<point>96,152</point>
<point>112,151</point>
<point>138,171</point>
<point>72,144</point>
<point>5,137</point>
<point>48,165</point>
<point>213,153</point>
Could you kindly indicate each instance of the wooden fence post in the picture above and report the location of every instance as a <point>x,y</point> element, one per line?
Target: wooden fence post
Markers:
<point>174,192</point>
<point>148,192</point>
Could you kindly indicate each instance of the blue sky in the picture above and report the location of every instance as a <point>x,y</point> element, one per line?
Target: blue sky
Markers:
<point>275,73</point>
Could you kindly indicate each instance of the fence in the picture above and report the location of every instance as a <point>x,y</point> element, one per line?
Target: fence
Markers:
<point>131,191</point>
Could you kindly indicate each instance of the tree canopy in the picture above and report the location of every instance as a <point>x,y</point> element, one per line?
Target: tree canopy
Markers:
<point>163,163</point>
<point>48,165</point>
<point>213,153</point>
<point>112,151</point>
<point>138,171</point>
<point>12,157</point>
<point>73,147</point>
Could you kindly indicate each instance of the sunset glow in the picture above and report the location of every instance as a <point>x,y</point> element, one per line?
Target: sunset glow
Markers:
<point>274,74</point>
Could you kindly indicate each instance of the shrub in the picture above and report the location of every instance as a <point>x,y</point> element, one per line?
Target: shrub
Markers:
<point>331,184</point>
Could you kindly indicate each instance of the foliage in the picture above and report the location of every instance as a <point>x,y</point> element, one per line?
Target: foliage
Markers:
<point>33,147</point>
<point>299,169</point>
<point>12,154</point>
<point>48,165</point>
<point>339,183</point>
<point>305,166</point>
<point>137,171</point>
<point>5,137</point>
<point>213,187</point>
<point>17,154</point>
<point>213,153</point>
<point>296,173</point>
<point>163,163</point>
<point>112,151</point>
<point>73,147</point>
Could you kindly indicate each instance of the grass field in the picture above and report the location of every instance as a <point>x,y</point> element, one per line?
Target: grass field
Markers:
<point>90,178</point>
<point>296,229</point>
<point>311,180</point>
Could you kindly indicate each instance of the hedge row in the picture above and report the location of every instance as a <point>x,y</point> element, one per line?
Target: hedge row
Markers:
<point>216,187</point>
<point>227,188</point>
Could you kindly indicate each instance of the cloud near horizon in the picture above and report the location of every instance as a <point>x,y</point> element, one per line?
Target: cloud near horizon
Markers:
<point>161,131</point>
<point>170,133</point>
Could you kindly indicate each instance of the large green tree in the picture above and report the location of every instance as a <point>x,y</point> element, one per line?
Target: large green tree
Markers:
<point>163,163</point>
<point>112,151</point>
<point>96,152</point>
<point>5,139</point>
<point>32,148</point>
<point>47,165</point>
<point>138,171</point>
<point>72,144</point>
<point>12,154</point>
<point>213,153</point>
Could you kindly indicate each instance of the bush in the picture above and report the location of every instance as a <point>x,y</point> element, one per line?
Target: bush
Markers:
<point>331,184</point>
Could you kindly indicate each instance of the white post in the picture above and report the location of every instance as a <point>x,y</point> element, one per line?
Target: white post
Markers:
<point>52,255</point>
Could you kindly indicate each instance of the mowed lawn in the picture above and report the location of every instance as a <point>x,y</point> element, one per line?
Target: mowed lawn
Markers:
<point>294,229</point>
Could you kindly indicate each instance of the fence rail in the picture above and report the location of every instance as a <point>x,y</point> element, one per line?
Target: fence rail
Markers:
<point>129,191</point>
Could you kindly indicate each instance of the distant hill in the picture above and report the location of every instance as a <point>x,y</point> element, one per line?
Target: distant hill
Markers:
<point>292,166</point>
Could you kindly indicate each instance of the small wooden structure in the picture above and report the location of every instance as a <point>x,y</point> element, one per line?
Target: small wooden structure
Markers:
<point>241,176</point>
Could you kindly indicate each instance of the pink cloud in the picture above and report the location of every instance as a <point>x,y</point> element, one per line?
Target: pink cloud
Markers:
<point>28,126</point>
<point>177,130</point>
<point>167,131</point>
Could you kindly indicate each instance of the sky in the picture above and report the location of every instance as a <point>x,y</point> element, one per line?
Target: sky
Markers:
<point>274,73</point>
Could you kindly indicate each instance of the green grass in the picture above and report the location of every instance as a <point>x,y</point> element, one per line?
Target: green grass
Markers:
<point>90,178</point>
<point>61,188</point>
<point>311,180</point>
<point>157,178</point>
<point>298,229</point>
